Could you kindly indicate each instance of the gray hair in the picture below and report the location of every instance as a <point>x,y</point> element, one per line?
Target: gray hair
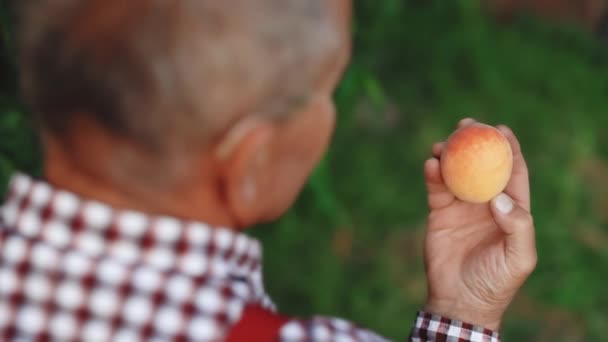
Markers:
<point>170,73</point>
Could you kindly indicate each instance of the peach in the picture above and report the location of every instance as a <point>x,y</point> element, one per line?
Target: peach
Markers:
<point>476,163</point>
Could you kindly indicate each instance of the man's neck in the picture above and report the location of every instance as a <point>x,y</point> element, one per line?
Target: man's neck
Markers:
<point>192,200</point>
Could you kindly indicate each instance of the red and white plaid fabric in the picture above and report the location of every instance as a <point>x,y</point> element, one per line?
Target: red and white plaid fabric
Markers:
<point>436,328</point>
<point>78,270</point>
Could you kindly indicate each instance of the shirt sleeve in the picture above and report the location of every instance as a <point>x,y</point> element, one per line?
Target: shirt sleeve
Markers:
<point>427,328</point>
<point>434,328</point>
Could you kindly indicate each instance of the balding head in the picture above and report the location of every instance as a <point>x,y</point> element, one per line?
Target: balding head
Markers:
<point>205,109</point>
<point>170,74</point>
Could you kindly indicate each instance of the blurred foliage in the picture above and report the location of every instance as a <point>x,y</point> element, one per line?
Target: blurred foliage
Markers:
<point>19,148</point>
<point>351,246</point>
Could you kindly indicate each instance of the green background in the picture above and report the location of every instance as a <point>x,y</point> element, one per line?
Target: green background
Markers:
<point>351,247</point>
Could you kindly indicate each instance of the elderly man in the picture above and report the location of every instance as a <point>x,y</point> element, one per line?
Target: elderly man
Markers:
<point>171,126</point>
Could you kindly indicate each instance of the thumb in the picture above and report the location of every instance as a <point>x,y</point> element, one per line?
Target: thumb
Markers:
<point>518,226</point>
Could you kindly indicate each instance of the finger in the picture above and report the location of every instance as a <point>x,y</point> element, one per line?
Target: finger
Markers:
<point>518,227</point>
<point>438,194</point>
<point>465,122</point>
<point>438,149</point>
<point>519,184</point>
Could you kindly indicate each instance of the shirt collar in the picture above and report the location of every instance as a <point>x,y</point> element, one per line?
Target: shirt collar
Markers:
<point>37,210</point>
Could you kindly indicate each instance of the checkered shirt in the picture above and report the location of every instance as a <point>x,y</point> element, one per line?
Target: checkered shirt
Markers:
<point>431,327</point>
<point>78,270</point>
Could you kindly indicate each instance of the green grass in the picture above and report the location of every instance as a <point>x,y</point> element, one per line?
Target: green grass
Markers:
<point>351,247</point>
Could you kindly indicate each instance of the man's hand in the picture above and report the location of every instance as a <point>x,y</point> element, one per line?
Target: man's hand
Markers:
<point>478,255</point>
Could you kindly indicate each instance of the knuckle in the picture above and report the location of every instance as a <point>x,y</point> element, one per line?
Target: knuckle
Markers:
<point>529,265</point>
<point>524,221</point>
<point>522,268</point>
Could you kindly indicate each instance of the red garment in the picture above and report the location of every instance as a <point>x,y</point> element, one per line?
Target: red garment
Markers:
<point>256,321</point>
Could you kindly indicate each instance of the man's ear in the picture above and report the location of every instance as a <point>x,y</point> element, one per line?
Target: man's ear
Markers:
<point>245,159</point>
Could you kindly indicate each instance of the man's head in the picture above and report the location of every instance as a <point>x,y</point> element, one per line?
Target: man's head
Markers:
<point>227,103</point>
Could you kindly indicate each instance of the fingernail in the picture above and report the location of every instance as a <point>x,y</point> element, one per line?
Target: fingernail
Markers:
<point>504,129</point>
<point>466,121</point>
<point>503,203</point>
